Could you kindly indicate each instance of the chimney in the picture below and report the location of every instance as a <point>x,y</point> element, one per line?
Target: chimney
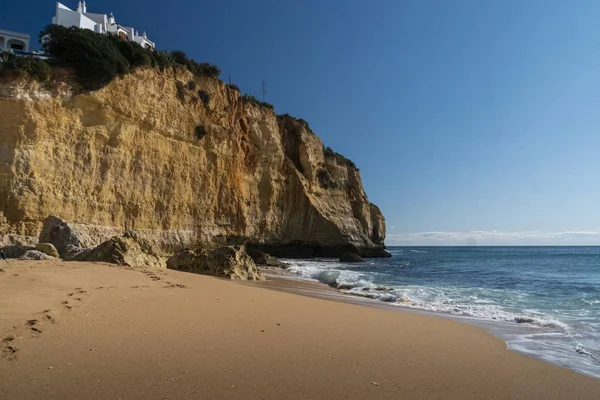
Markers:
<point>84,8</point>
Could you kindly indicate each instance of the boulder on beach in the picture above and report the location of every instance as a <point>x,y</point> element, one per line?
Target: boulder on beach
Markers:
<point>350,257</point>
<point>47,248</point>
<point>35,255</point>
<point>262,258</point>
<point>231,262</point>
<point>258,256</point>
<point>60,234</point>
<point>14,246</point>
<point>130,250</point>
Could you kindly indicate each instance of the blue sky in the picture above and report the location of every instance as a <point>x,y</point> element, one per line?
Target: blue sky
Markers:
<point>473,122</point>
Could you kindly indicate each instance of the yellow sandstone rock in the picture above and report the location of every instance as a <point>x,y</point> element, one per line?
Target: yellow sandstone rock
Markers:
<point>185,164</point>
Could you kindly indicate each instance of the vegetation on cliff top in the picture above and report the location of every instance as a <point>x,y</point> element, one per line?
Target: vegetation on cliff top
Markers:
<point>21,67</point>
<point>256,102</point>
<point>233,86</point>
<point>95,58</point>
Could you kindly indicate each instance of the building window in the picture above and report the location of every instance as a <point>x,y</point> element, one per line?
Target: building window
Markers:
<point>147,46</point>
<point>123,35</point>
<point>1,41</point>
<point>15,44</point>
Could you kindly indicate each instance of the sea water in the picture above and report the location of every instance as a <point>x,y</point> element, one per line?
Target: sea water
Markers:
<point>543,301</point>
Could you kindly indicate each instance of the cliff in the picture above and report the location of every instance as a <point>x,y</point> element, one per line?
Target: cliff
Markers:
<point>184,160</point>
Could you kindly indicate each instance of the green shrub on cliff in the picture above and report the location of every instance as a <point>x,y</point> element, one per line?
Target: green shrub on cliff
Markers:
<point>248,98</point>
<point>97,59</point>
<point>135,54</point>
<point>233,86</point>
<point>199,69</point>
<point>162,59</point>
<point>12,65</point>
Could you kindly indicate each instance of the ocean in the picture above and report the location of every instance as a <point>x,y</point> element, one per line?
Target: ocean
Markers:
<point>543,301</point>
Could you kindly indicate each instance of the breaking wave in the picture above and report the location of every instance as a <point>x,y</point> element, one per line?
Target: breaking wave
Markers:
<point>475,303</point>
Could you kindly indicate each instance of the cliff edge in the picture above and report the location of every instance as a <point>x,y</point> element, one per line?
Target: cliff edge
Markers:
<point>185,160</point>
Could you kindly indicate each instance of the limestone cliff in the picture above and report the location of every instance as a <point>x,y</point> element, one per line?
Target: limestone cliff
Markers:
<point>184,160</point>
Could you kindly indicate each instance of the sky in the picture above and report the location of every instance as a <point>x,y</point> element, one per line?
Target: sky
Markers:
<point>472,122</point>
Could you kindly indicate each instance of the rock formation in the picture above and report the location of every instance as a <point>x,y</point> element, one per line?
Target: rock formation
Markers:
<point>129,250</point>
<point>14,246</point>
<point>185,161</point>
<point>261,258</point>
<point>59,234</point>
<point>35,255</point>
<point>351,258</point>
<point>231,262</point>
<point>48,249</point>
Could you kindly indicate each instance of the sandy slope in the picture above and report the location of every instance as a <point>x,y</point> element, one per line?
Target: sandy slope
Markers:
<point>103,332</point>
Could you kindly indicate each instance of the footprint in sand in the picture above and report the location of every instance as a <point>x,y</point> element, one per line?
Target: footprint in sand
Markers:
<point>175,285</point>
<point>153,276</point>
<point>8,339</point>
<point>33,326</point>
<point>9,352</point>
<point>7,349</point>
<point>48,317</point>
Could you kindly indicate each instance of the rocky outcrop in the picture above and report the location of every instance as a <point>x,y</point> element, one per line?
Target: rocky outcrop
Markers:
<point>261,258</point>
<point>129,250</point>
<point>14,246</point>
<point>47,248</point>
<point>351,258</point>
<point>59,234</point>
<point>35,255</point>
<point>184,167</point>
<point>229,262</point>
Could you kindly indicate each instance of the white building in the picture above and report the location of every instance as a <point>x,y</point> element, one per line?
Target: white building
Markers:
<point>13,41</point>
<point>100,23</point>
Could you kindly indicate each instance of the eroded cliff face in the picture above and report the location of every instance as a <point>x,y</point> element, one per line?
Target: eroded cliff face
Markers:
<point>183,160</point>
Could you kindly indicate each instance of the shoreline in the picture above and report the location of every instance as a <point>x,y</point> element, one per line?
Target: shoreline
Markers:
<point>509,332</point>
<point>110,332</point>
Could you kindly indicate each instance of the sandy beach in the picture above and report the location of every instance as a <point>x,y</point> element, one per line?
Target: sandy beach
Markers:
<point>95,331</point>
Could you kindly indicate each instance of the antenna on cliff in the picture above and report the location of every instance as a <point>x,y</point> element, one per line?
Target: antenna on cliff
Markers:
<point>230,79</point>
<point>263,89</point>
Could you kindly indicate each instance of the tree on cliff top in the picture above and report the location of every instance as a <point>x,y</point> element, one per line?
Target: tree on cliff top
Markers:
<point>95,58</point>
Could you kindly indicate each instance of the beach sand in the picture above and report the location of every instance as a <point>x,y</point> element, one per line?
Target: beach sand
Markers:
<point>95,331</point>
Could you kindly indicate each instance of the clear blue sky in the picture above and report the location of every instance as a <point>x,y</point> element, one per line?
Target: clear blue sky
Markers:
<point>471,121</point>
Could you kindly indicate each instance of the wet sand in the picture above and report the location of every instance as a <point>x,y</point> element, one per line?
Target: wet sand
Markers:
<point>94,331</point>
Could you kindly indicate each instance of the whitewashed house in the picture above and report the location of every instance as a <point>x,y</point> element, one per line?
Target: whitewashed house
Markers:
<point>14,41</point>
<point>100,23</point>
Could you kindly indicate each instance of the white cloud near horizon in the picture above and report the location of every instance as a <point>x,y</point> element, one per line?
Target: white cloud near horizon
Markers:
<point>494,238</point>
